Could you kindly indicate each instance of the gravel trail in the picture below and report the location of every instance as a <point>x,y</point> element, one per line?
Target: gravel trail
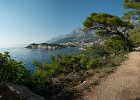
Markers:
<point>123,84</point>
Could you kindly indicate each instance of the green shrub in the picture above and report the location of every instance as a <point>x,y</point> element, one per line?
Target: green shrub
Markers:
<point>96,50</point>
<point>93,63</point>
<point>134,36</point>
<point>115,44</point>
<point>74,68</point>
<point>11,70</point>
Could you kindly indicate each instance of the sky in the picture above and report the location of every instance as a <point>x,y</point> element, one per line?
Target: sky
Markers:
<point>36,21</point>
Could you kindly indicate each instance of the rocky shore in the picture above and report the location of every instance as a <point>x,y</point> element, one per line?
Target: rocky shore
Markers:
<point>45,46</point>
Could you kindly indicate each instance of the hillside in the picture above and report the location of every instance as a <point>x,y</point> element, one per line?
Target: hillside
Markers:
<point>123,84</point>
<point>77,35</point>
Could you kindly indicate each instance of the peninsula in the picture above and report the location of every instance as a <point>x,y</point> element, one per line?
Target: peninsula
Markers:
<point>45,46</point>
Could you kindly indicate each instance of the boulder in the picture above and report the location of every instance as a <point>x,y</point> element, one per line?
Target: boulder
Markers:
<point>9,91</point>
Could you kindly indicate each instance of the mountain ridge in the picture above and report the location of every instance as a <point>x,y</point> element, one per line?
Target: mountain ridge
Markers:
<point>77,35</point>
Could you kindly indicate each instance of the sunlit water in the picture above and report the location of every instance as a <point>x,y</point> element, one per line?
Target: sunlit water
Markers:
<point>28,55</point>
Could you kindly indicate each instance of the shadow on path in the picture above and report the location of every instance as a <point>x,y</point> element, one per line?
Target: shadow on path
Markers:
<point>68,95</point>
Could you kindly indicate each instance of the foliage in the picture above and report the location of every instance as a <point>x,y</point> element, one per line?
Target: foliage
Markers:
<point>108,25</point>
<point>132,15</point>
<point>11,70</point>
<point>103,55</point>
<point>104,21</point>
<point>115,44</point>
<point>98,55</point>
<point>135,37</point>
<point>133,12</point>
<point>132,4</point>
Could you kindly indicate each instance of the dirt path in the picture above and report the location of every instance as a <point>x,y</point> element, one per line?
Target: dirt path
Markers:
<point>123,84</point>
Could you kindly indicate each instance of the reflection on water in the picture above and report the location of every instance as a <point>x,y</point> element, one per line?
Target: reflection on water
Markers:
<point>28,55</point>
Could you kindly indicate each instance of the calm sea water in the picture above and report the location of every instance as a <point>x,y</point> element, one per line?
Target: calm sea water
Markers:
<point>28,55</point>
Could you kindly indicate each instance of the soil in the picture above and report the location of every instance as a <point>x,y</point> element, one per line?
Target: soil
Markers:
<point>123,84</point>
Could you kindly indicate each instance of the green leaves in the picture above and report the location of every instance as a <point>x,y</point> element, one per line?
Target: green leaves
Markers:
<point>132,4</point>
<point>11,70</point>
<point>107,25</point>
<point>103,21</point>
<point>115,44</point>
<point>133,13</point>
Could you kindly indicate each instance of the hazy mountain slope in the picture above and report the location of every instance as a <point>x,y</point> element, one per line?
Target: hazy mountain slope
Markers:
<point>77,35</point>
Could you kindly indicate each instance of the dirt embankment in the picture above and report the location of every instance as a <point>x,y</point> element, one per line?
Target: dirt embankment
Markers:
<point>123,84</point>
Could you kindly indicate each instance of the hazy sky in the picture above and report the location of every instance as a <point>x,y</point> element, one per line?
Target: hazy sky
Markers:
<point>28,21</point>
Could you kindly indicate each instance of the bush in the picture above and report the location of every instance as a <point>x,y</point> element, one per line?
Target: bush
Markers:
<point>135,37</point>
<point>74,68</point>
<point>115,44</point>
<point>11,70</point>
<point>97,50</point>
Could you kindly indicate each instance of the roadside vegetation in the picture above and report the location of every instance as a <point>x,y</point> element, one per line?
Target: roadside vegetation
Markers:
<point>57,79</point>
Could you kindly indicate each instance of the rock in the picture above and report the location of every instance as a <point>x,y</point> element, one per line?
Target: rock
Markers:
<point>137,49</point>
<point>9,91</point>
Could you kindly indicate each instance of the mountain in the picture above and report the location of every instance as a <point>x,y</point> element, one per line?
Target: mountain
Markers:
<point>77,35</point>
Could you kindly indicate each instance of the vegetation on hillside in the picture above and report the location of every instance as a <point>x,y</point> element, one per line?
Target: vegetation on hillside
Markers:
<point>108,25</point>
<point>133,15</point>
<point>69,70</point>
<point>132,4</point>
<point>11,70</point>
<point>118,37</point>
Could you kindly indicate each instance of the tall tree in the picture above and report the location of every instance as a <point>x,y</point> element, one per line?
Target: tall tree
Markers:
<point>133,12</point>
<point>108,25</point>
<point>135,4</point>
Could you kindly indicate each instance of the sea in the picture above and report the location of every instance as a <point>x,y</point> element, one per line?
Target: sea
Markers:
<point>27,55</point>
